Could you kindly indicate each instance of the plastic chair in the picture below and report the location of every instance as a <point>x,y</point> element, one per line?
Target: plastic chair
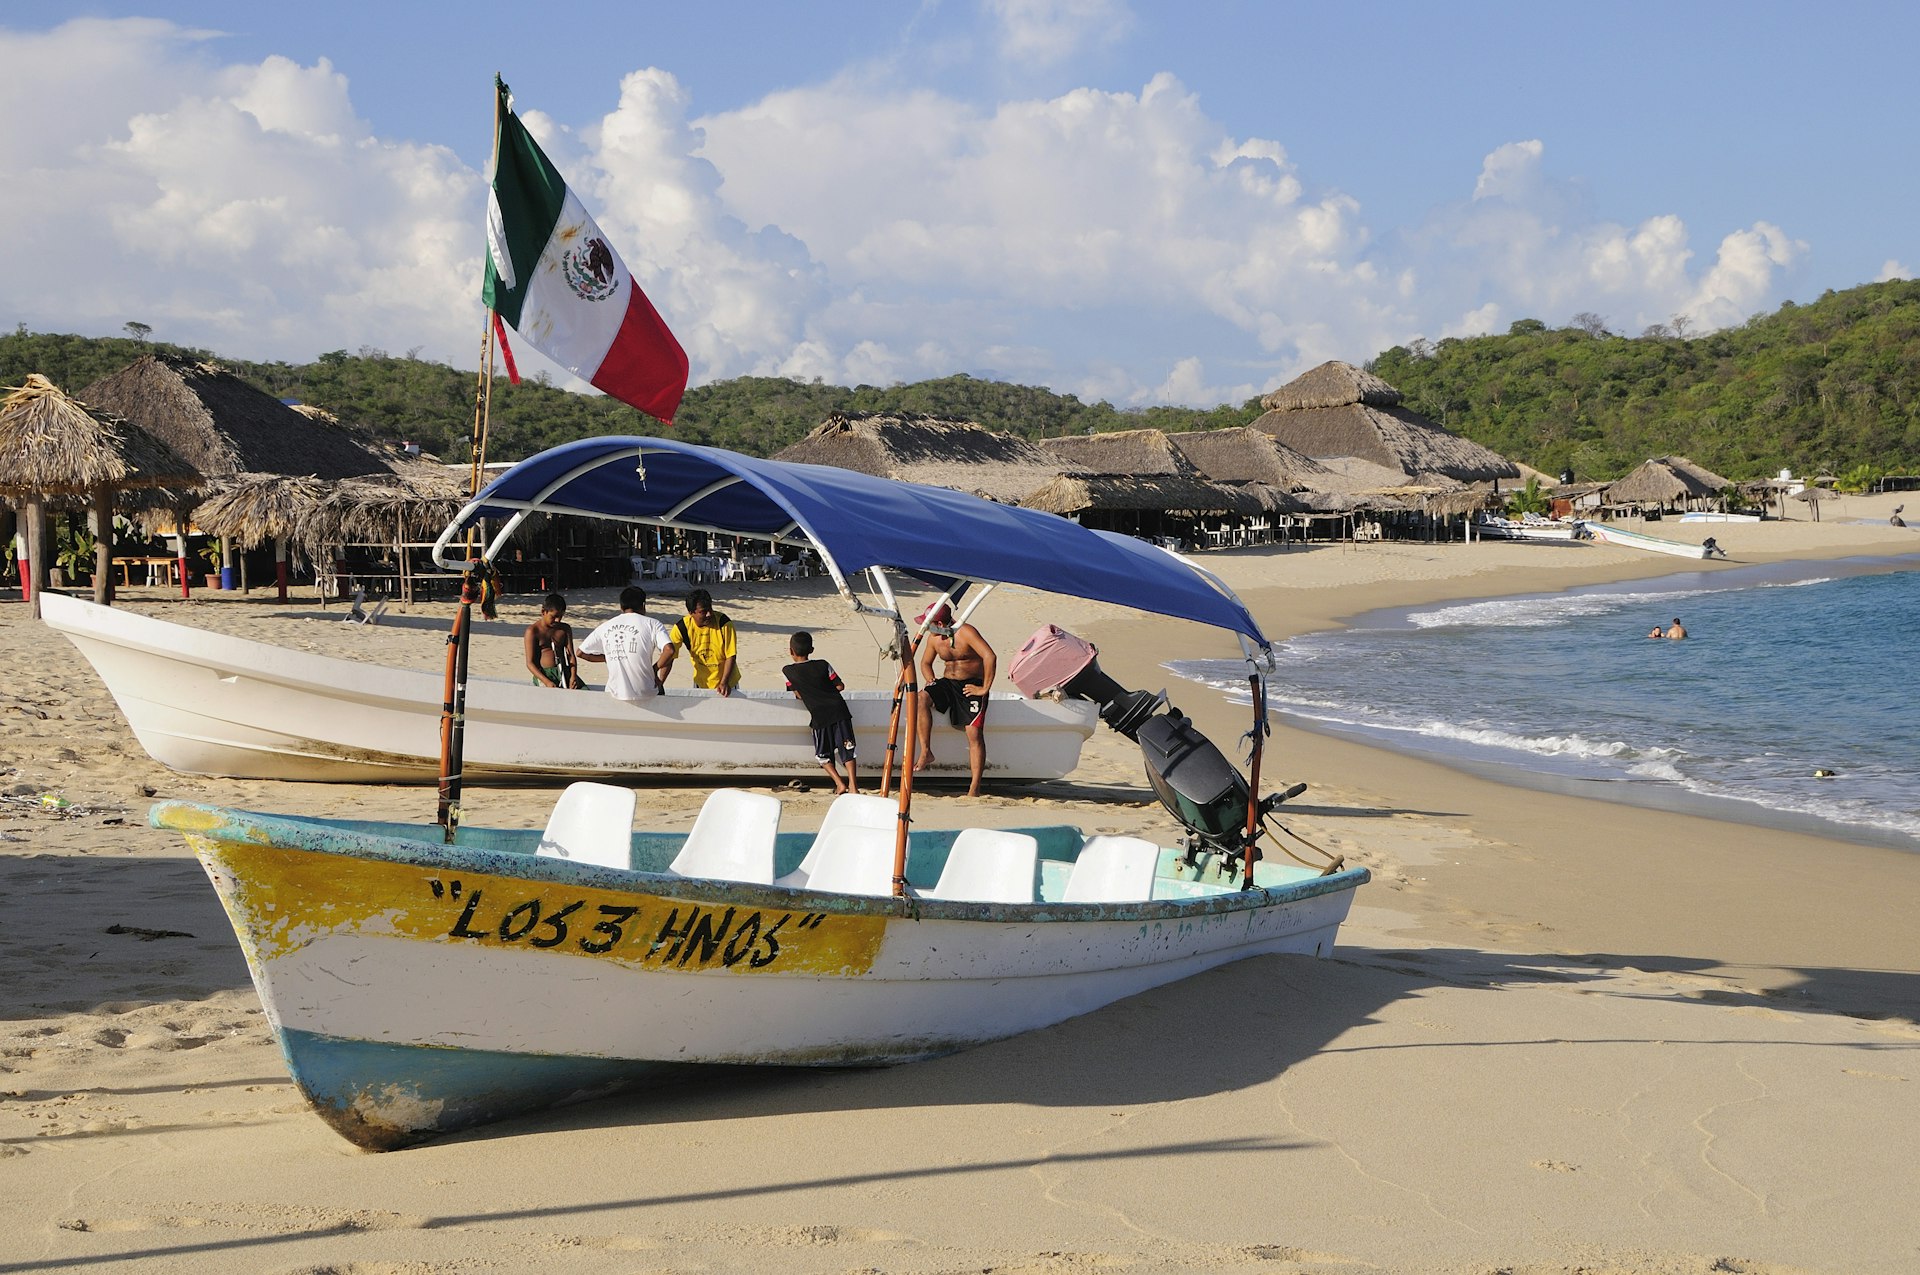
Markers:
<point>852,860</point>
<point>986,865</point>
<point>849,810</point>
<point>591,823</point>
<point>732,839</point>
<point>1112,870</point>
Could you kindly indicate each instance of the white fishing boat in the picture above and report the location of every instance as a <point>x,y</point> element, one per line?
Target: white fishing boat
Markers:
<point>208,703</point>
<point>1530,527</point>
<point>424,978</point>
<point>1710,515</point>
<point>1609,533</point>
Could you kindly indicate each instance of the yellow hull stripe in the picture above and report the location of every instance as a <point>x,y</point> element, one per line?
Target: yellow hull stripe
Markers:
<point>281,899</point>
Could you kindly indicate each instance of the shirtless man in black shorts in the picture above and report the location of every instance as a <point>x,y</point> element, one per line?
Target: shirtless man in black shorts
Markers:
<point>960,693</point>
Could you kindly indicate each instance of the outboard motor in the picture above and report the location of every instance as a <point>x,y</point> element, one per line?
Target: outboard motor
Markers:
<point>1193,778</point>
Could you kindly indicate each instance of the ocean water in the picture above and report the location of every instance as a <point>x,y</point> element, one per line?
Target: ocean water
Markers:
<point>1787,670</point>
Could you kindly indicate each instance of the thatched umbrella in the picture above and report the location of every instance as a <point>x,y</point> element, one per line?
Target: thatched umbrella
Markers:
<point>1339,410</point>
<point>255,508</point>
<point>52,444</point>
<point>1813,496</point>
<point>389,511</point>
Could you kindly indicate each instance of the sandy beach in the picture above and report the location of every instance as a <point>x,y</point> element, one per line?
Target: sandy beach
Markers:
<point>1558,1035</point>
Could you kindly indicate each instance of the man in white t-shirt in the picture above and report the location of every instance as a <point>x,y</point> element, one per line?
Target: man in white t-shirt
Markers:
<point>631,645</point>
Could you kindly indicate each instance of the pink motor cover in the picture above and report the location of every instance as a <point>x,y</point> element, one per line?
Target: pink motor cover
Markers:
<point>1047,659</point>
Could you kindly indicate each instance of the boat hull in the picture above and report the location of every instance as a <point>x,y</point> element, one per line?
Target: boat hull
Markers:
<point>1553,532</point>
<point>1608,534</point>
<point>417,988</point>
<point>211,704</point>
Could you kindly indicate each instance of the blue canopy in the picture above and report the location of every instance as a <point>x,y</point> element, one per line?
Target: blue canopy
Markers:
<point>856,521</point>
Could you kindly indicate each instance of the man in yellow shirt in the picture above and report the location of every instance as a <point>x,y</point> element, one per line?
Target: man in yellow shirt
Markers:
<point>710,643</point>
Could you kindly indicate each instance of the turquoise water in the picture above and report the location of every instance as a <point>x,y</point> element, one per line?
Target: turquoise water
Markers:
<point>1787,670</point>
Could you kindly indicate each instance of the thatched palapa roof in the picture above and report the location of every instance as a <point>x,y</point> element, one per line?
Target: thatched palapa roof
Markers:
<point>915,448</point>
<point>1249,455</point>
<point>224,426</point>
<point>53,444</point>
<point>1332,384</point>
<point>1667,480</point>
<point>1338,410</point>
<point>1122,451</point>
<point>1166,493</point>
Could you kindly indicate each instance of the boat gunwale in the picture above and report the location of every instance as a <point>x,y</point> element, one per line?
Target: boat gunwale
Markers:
<point>317,834</point>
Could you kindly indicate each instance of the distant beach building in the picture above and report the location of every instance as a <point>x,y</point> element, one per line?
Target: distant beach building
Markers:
<point>1338,411</point>
<point>1668,482</point>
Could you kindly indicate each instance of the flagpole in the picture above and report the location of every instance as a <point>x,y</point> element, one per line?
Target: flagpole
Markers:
<point>453,704</point>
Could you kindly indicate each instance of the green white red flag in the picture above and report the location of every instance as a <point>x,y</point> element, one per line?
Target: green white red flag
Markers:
<point>556,279</point>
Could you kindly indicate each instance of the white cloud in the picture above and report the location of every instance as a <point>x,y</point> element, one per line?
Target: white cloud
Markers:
<point>1510,171</point>
<point>240,208</point>
<point>1117,245</point>
<point>1892,269</point>
<point>1044,32</point>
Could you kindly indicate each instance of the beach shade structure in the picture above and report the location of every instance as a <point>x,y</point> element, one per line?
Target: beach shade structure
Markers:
<point>253,509</point>
<point>225,427</point>
<point>1667,481</point>
<point>1814,496</point>
<point>53,445</point>
<point>390,513</point>
<point>1340,410</point>
<point>935,452</point>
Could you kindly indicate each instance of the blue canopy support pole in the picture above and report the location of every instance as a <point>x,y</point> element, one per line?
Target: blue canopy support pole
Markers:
<point>1258,687</point>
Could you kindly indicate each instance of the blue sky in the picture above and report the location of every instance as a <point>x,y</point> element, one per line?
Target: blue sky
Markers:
<point>1139,202</point>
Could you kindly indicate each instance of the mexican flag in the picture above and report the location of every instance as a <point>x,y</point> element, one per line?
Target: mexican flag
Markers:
<point>556,279</point>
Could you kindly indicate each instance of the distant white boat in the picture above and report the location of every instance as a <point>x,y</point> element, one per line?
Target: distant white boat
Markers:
<point>1609,534</point>
<point>1529,528</point>
<point>1710,516</point>
<point>212,704</point>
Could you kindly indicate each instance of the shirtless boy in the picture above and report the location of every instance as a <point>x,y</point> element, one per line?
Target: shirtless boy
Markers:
<point>960,692</point>
<point>549,647</point>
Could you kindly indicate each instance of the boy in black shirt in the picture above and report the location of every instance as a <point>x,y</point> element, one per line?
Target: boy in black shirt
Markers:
<point>819,687</point>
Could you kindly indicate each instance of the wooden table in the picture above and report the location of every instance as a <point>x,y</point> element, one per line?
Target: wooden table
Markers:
<point>167,567</point>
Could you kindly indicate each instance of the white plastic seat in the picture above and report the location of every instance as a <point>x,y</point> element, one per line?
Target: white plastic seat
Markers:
<point>987,865</point>
<point>591,823</point>
<point>853,860</point>
<point>732,839</point>
<point>1112,870</point>
<point>849,810</point>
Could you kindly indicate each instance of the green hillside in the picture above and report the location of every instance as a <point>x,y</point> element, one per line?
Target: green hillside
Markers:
<point>1834,385</point>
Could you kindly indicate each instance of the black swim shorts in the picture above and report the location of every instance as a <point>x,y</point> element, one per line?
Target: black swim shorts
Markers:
<point>834,741</point>
<point>949,695</point>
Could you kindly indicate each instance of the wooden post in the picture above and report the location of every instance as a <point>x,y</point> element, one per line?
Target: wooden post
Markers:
<point>180,556</point>
<point>33,563</point>
<point>102,519</point>
<point>280,565</point>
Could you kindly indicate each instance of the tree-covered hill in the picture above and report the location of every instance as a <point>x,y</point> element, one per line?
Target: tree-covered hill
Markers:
<point>1834,385</point>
